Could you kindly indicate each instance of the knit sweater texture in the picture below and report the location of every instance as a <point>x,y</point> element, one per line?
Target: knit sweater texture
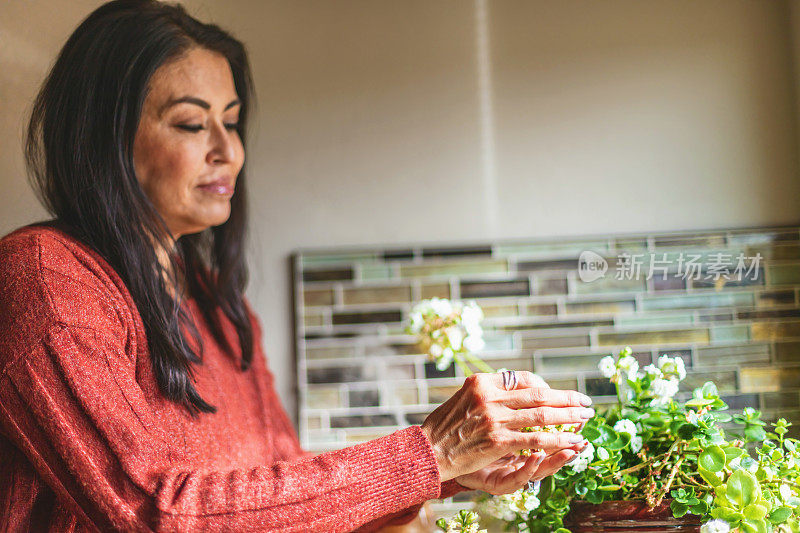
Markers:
<point>89,443</point>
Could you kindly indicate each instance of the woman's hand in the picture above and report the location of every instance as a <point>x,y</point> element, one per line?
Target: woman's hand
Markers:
<point>512,472</point>
<point>481,423</point>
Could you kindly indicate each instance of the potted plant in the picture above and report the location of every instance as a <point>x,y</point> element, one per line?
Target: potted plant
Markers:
<point>652,462</point>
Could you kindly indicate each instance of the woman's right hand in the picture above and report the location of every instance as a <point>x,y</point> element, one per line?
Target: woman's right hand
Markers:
<point>481,423</point>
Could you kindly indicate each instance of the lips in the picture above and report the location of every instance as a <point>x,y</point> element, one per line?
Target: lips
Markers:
<point>222,186</point>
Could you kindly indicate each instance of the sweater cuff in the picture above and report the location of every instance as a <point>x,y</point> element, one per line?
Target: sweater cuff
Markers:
<point>451,487</point>
<point>403,464</point>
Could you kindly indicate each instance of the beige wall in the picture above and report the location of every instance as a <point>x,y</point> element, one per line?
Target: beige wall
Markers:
<point>391,122</point>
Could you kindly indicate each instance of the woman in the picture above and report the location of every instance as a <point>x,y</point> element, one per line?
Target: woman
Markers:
<point>134,392</point>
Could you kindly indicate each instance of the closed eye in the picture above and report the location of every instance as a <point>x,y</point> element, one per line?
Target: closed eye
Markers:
<point>194,128</point>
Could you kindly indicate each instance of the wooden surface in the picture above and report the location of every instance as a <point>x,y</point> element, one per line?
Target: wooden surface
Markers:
<point>627,516</point>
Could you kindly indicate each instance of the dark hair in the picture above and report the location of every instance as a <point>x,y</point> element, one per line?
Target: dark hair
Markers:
<point>79,152</point>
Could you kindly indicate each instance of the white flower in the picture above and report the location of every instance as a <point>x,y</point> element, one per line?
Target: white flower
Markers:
<point>672,366</point>
<point>471,315</point>
<point>435,350</point>
<point>443,361</point>
<point>663,390</point>
<point>456,336</point>
<point>680,366</point>
<point>474,343</point>
<point>692,417</point>
<point>626,426</point>
<point>583,459</point>
<point>417,322</point>
<point>441,306</point>
<point>629,365</point>
<point>607,366</point>
<point>636,444</point>
<point>715,526</point>
<point>653,370</point>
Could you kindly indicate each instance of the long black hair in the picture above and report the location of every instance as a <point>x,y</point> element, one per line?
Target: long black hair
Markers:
<point>79,152</point>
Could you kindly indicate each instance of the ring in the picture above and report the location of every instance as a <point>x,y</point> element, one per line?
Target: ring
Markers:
<point>509,380</point>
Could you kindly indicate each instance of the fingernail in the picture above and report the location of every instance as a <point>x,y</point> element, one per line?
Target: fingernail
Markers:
<point>571,458</point>
<point>587,413</point>
<point>585,400</point>
<point>575,439</point>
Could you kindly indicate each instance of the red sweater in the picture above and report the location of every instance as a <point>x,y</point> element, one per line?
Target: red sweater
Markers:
<point>88,442</point>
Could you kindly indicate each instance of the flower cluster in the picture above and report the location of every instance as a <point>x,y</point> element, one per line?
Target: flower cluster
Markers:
<point>463,522</point>
<point>507,507</point>
<point>661,380</point>
<point>448,331</point>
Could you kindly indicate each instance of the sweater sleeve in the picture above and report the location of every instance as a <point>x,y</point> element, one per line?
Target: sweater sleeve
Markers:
<point>70,403</point>
<point>288,446</point>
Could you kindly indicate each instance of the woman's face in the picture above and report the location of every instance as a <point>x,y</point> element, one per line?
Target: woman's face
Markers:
<point>187,152</point>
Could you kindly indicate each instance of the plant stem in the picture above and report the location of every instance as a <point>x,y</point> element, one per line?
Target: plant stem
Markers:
<point>478,362</point>
<point>463,365</point>
<point>671,477</point>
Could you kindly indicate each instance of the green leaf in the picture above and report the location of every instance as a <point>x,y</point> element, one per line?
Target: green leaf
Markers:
<point>742,488</point>
<point>678,509</point>
<point>754,512</point>
<point>591,433</point>
<point>712,478</point>
<point>754,526</point>
<point>442,523</point>
<point>732,453</point>
<point>700,508</point>
<point>727,514</point>
<point>699,402</point>
<point>609,488</point>
<point>712,459</point>
<point>780,515</point>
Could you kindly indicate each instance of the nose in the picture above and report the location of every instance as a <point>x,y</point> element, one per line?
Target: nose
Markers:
<point>222,147</point>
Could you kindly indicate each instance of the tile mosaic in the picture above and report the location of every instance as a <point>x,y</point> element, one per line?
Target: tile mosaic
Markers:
<point>323,397</point>
<point>670,336</point>
<point>760,379</point>
<point>453,269</point>
<point>494,289</point>
<point>609,285</point>
<point>784,274</point>
<point>600,307</point>
<point>363,398</point>
<point>775,330</point>
<point>375,295</point>
<point>570,341</point>
<point>439,290</point>
<point>363,349</point>
<point>367,317</point>
<point>550,286</point>
<point>432,372</point>
<point>697,301</point>
<point>787,352</point>
<point>465,251</point>
<point>330,274</point>
<point>363,421</point>
<point>313,297</point>
<point>772,298</point>
<point>732,355</point>
<point>542,309</point>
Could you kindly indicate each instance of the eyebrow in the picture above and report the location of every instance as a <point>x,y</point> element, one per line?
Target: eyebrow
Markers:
<point>196,101</point>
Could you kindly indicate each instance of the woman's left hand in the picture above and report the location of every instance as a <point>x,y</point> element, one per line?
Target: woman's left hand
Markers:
<point>512,472</point>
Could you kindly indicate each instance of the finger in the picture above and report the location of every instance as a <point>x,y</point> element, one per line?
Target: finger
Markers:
<point>539,397</point>
<point>543,440</point>
<point>552,464</point>
<point>525,380</point>
<point>515,480</point>
<point>547,416</point>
